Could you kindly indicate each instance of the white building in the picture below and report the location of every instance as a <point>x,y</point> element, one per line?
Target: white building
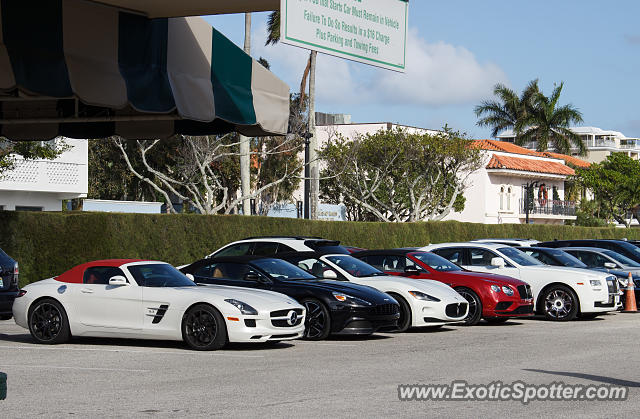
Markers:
<point>600,143</point>
<point>496,193</point>
<point>42,185</point>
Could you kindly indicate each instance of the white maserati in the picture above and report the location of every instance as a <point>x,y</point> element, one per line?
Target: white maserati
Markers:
<point>152,300</point>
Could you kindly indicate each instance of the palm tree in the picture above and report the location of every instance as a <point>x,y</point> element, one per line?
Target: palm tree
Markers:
<point>505,113</point>
<point>548,124</point>
<point>273,37</point>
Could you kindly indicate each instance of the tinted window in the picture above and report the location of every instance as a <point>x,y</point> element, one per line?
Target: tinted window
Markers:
<point>314,266</point>
<point>159,275</point>
<point>481,257</point>
<point>283,248</point>
<point>393,263</point>
<point>279,269</point>
<point>100,274</point>
<point>327,247</point>
<point>204,271</point>
<point>452,254</point>
<point>622,259</point>
<point>265,248</point>
<point>542,257</point>
<point>354,266</point>
<point>239,249</point>
<point>519,257</point>
<point>436,262</point>
<point>376,261</point>
<point>227,270</point>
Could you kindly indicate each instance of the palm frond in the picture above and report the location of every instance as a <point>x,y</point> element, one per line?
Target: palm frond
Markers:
<point>273,28</point>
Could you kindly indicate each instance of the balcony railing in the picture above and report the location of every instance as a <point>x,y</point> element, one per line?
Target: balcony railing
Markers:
<point>549,207</point>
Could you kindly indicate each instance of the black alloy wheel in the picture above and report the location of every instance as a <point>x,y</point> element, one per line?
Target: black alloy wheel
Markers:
<point>203,328</point>
<point>475,307</point>
<point>317,324</point>
<point>560,304</point>
<point>48,322</point>
<point>404,322</point>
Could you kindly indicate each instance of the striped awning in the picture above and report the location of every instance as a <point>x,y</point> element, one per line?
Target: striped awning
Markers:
<point>174,8</point>
<point>84,70</point>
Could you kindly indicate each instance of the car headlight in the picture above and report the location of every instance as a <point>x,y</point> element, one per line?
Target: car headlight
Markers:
<point>422,296</point>
<point>508,291</point>
<point>595,283</point>
<point>350,299</point>
<point>243,307</point>
<point>495,288</point>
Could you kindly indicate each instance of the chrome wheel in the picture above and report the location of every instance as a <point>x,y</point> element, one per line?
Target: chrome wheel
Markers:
<point>201,328</point>
<point>316,323</point>
<point>560,304</point>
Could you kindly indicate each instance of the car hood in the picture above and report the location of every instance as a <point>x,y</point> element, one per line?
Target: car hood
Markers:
<point>566,271</point>
<point>260,299</point>
<point>428,286</point>
<point>489,278</point>
<point>355,290</point>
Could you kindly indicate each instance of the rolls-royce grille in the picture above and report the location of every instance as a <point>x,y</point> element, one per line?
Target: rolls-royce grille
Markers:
<point>525,292</point>
<point>456,309</point>
<point>387,309</point>
<point>613,286</point>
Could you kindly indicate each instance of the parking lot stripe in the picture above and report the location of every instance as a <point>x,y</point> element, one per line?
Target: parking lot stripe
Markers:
<point>57,348</point>
<point>70,368</point>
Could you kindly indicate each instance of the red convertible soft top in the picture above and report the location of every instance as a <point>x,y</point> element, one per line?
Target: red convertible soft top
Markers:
<point>74,275</point>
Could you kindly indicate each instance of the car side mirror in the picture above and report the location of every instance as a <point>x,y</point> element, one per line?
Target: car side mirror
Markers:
<point>411,270</point>
<point>610,265</point>
<point>191,277</point>
<point>497,262</point>
<point>330,274</point>
<point>118,281</point>
<point>252,276</point>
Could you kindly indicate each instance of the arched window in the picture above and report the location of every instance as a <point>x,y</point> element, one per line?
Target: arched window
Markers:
<point>501,198</point>
<point>509,198</point>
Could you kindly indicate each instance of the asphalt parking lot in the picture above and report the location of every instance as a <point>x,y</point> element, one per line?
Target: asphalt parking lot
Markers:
<point>339,377</point>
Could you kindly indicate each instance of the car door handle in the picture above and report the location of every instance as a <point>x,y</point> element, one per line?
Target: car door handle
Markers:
<point>87,290</point>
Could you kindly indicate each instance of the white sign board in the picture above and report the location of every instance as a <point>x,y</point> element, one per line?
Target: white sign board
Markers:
<point>368,31</point>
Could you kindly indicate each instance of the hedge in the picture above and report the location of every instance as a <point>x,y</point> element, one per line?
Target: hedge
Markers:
<point>47,244</point>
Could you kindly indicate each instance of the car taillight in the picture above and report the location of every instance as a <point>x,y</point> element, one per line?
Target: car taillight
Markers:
<point>21,293</point>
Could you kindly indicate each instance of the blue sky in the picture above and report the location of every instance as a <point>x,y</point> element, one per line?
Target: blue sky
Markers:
<point>457,51</point>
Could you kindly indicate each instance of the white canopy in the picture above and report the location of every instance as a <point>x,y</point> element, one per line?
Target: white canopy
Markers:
<point>177,8</point>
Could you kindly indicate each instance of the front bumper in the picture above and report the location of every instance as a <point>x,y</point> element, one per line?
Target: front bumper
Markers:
<point>264,327</point>
<point>357,320</point>
<point>427,313</point>
<point>6,302</point>
<point>518,308</point>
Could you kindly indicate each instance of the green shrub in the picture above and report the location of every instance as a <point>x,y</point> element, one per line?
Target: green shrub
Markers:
<point>47,244</point>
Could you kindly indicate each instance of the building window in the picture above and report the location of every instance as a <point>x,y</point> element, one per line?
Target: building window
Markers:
<point>501,198</point>
<point>24,208</point>
<point>509,198</point>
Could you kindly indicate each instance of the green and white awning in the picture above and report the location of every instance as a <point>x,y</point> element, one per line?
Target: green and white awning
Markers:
<point>84,70</point>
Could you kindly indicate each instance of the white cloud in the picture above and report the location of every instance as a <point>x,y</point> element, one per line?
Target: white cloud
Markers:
<point>437,74</point>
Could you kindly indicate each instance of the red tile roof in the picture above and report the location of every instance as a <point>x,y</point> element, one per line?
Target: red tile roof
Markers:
<point>507,147</point>
<point>529,165</point>
<point>569,159</point>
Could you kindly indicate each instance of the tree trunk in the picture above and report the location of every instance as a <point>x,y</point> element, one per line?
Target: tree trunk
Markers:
<point>245,142</point>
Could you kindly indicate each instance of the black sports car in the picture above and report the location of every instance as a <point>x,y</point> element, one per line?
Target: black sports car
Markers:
<point>8,285</point>
<point>333,307</point>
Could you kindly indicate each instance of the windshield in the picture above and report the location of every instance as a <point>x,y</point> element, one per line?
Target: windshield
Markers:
<point>621,258</point>
<point>519,257</point>
<point>159,275</point>
<point>354,266</point>
<point>280,269</point>
<point>436,262</point>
